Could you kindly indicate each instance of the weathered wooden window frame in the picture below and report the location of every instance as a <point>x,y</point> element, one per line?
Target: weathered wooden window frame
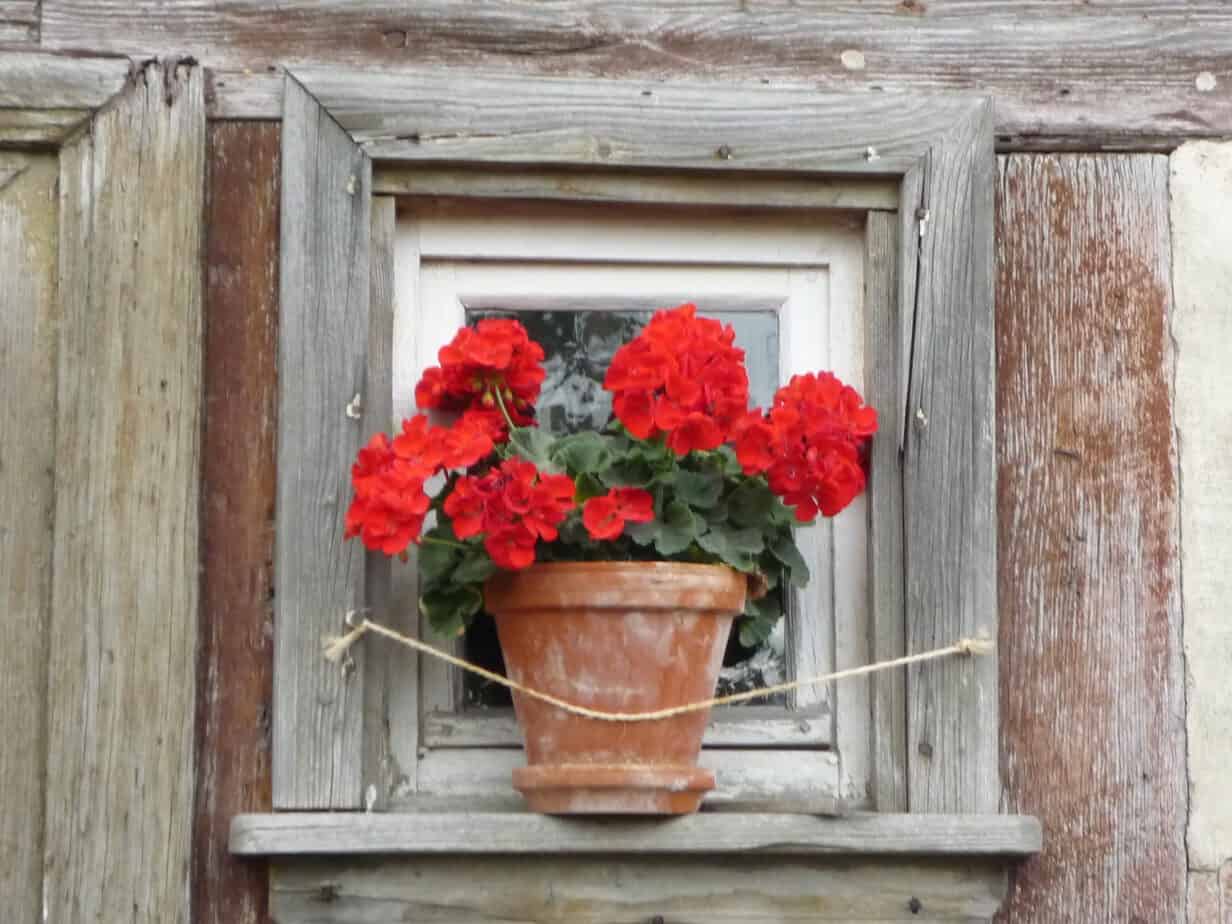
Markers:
<point>928,295</point>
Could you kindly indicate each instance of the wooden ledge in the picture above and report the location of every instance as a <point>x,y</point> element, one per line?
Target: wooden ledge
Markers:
<point>335,834</point>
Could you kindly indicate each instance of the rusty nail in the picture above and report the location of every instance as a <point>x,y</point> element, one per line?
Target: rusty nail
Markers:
<point>723,153</point>
<point>926,749</point>
<point>915,906</point>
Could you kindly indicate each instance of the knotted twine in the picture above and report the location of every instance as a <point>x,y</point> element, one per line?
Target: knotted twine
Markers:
<point>336,648</point>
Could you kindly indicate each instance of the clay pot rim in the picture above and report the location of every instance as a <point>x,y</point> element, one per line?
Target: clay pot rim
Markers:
<point>642,585</point>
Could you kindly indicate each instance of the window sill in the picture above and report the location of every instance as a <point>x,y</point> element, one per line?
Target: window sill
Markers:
<point>713,834</point>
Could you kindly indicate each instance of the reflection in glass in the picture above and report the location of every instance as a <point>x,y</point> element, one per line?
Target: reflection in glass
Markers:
<point>579,345</point>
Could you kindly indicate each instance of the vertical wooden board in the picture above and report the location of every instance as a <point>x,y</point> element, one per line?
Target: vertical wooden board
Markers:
<point>27,459</point>
<point>123,639</point>
<point>1094,732</point>
<point>235,662</point>
<point>885,510</point>
<point>380,772</point>
<point>949,481</point>
<point>322,361</point>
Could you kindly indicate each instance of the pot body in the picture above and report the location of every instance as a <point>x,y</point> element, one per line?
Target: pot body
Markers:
<point>617,637</point>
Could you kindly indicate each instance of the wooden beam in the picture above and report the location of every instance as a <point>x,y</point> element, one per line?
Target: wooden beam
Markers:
<point>1094,75</point>
<point>1093,691</point>
<point>623,889</point>
<point>322,372</point>
<point>303,833</point>
<point>949,482</point>
<point>28,325</point>
<point>123,638</point>
<point>428,115</point>
<point>45,97</point>
<point>235,662</point>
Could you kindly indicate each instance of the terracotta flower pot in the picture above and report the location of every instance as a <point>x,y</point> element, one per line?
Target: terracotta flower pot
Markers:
<point>619,637</point>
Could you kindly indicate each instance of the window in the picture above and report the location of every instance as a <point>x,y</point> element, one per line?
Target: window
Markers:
<point>917,171</point>
<point>583,277</point>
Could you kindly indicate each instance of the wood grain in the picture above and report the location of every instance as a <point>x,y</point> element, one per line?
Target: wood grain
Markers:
<point>124,626</point>
<point>713,834</point>
<point>381,773</point>
<point>1092,75</point>
<point>322,361</point>
<point>45,97</point>
<point>888,689</point>
<point>235,661</point>
<point>949,482</point>
<point>1094,733</point>
<point>428,115</point>
<point>28,324</point>
<point>19,22</point>
<point>623,889</point>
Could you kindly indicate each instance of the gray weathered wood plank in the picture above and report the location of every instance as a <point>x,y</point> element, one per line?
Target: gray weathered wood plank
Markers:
<point>428,115</point>
<point>709,833</point>
<point>123,639</point>
<point>37,80</point>
<point>324,280</point>
<point>650,188</point>
<point>19,22</point>
<point>1063,74</point>
<point>949,478</point>
<point>885,512</point>
<point>380,773</point>
<point>622,889</point>
<point>1092,677</point>
<point>28,325</point>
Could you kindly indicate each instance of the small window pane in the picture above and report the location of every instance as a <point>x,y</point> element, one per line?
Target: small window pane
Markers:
<point>579,345</point>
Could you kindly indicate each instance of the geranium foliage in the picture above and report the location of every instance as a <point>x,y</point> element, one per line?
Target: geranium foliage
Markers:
<point>685,470</point>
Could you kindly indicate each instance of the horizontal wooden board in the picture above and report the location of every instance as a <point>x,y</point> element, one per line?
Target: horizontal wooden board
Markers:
<point>647,188</point>
<point>430,115</point>
<point>19,22</point>
<point>623,890</point>
<point>298,833</point>
<point>741,727</point>
<point>44,98</point>
<point>1130,74</point>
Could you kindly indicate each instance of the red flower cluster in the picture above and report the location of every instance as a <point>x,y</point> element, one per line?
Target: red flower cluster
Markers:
<point>495,360</point>
<point>680,376</point>
<point>389,506</point>
<point>809,444</point>
<point>605,517</point>
<point>513,506</point>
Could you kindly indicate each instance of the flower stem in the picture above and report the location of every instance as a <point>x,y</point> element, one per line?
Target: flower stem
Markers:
<point>509,422</point>
<point>437,541</point>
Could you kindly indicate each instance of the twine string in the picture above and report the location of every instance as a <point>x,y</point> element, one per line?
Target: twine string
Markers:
<point>337,647</point>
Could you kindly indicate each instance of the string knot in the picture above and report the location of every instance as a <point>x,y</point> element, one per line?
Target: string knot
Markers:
<point>975,646</point>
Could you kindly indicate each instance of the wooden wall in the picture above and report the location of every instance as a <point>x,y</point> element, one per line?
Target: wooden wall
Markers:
<point>1092,696</point>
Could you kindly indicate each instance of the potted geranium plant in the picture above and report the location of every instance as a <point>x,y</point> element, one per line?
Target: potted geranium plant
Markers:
<point>613,562</point>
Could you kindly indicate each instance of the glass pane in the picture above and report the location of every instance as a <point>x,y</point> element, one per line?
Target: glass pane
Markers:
<point>579,345</point>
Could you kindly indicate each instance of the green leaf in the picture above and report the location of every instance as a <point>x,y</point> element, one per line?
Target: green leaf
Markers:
<point>436,560</point>
<point>476,568</point>
<point>586,486</point>
<point>760,618</point>
<point>783,547</point>
<point>752,503</point>
<point>643,533</point>
<point>534,445</point>
<point>730,464</point>
<point>632,472</point>
<point>698,489</point>
<point>735,547</point>
<point>677,529</point>
<point>582,453</point>
<point>450,608</point>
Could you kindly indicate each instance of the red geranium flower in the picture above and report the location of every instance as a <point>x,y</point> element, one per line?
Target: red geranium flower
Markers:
<point>513,506</point>
<point>809,445</point>
<point>681,376</point>
<point>605,517</point>
<point>495,359</point>
<point>390,504</point>
<point>434,448</point>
